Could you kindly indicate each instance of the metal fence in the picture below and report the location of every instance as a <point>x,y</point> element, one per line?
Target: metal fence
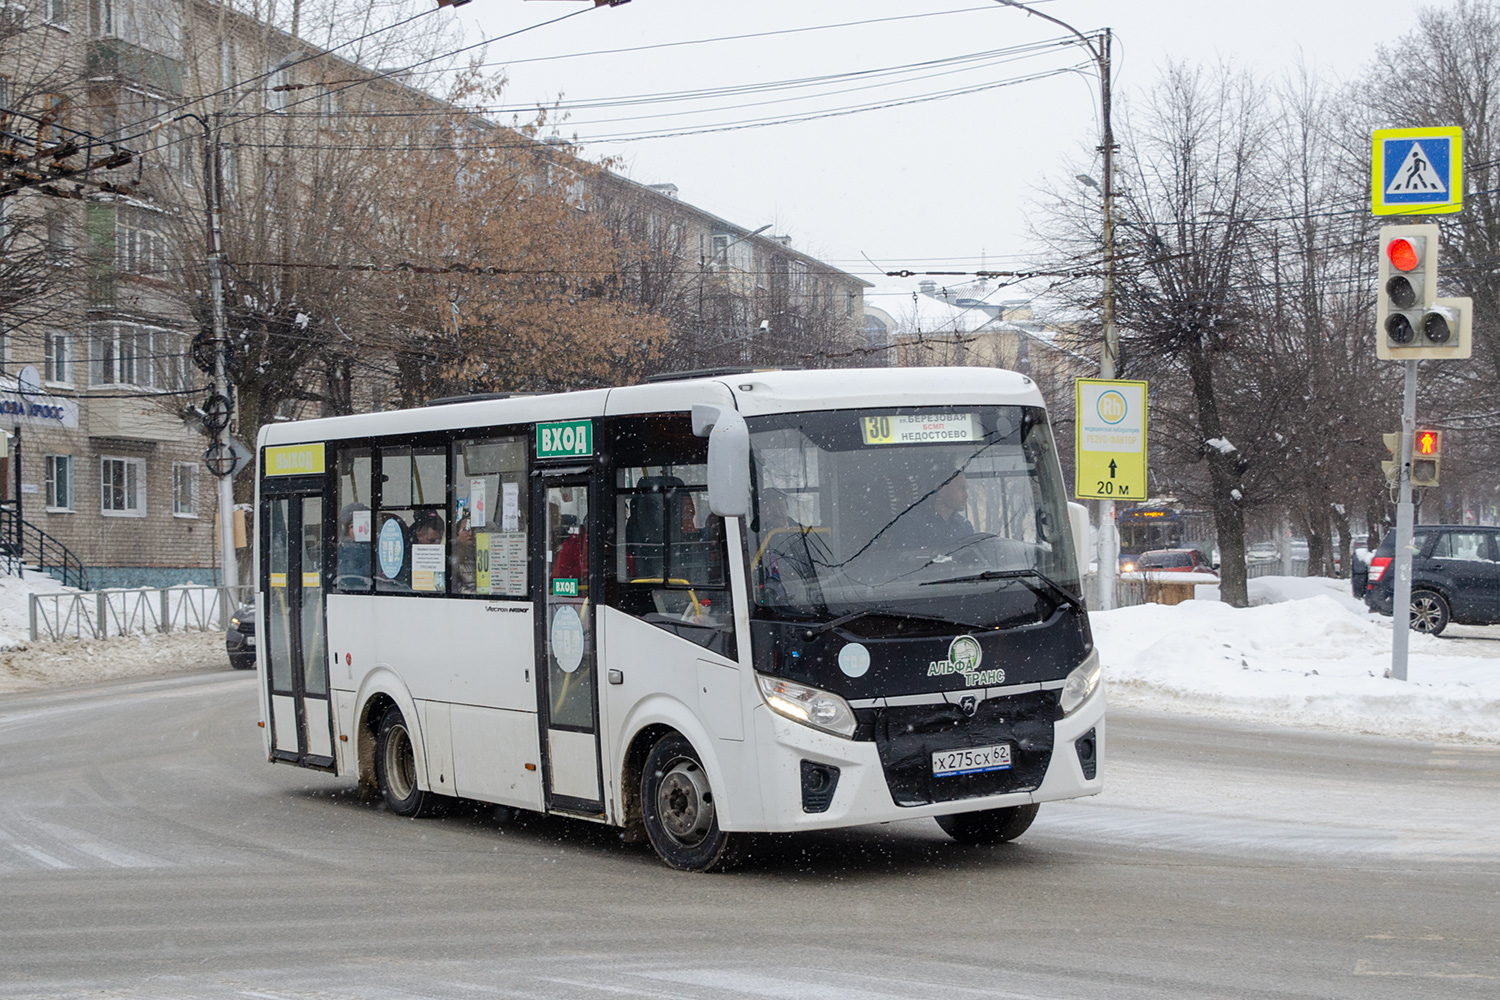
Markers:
<point>96,614</point>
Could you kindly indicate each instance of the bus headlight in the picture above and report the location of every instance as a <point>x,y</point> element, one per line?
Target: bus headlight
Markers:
<point>1080,683</point>
<point>807,705</point>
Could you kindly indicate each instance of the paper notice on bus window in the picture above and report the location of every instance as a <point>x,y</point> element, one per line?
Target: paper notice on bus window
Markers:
<point>426,567</point>
<point>476,503</point>
<point>508,564</point>
<point>510,506</point>
<point>937,428</point>
<point>359,521</point>
<point>482,562</point>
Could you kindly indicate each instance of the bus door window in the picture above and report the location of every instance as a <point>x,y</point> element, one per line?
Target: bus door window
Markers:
<point>570,671</point>
<point>411,532</point>
<point>314,662</point>
<point>489,515</point>
<point>278,627</point>
<point>668,555</point>
<point>355,525</point>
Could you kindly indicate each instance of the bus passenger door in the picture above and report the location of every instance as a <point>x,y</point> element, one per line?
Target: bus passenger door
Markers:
<point>292,546</point>
<point>569,709</point>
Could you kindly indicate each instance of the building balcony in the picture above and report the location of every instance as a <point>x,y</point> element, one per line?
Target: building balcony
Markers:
<point>127,63</point>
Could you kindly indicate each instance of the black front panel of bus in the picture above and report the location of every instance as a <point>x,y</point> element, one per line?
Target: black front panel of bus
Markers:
<point>912,658</point>
<point>909,735</point>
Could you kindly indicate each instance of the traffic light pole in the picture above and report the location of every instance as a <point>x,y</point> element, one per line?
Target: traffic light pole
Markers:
<point>1401,601</point>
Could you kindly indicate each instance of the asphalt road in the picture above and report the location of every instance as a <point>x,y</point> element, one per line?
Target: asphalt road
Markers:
<point>148,851</point>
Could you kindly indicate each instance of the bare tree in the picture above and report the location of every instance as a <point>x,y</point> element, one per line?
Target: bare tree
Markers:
<point>1191,180</point>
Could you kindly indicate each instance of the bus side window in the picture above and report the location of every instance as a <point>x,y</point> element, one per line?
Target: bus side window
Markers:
<point>355,527</point>
<point>411,521</point>
<point>489,516</point>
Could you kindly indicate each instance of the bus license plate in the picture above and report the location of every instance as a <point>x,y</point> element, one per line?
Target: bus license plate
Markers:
<point>950,763</point>
<point>250,640</point>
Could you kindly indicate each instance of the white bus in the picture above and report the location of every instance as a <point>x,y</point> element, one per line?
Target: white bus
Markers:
<point>732,602</point>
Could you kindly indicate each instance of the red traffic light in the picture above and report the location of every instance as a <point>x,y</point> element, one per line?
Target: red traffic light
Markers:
<point>1428,444</point>
<point>1403,254</point>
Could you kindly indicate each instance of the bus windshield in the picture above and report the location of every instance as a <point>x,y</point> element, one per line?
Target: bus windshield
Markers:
<point>952,514</point>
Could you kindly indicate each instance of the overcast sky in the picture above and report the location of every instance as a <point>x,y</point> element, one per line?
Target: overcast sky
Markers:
<point>922,184</point>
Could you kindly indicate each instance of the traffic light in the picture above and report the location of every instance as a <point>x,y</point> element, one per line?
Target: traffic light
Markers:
<point>1410,320</point>
<point>1392,467</point>
<point>1426,453</point>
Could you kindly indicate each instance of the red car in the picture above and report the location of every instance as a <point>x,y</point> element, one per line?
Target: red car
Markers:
<point>1170,561</point>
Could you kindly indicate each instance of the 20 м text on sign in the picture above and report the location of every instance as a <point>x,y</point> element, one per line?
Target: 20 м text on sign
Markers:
<point>1110,445</point>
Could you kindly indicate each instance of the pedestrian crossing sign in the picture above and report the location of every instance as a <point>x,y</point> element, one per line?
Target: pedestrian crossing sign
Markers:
<point>1418,171</point>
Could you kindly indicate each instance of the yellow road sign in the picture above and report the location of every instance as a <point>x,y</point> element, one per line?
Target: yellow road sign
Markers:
<point>1110,443</point>
<point>1418,171</point>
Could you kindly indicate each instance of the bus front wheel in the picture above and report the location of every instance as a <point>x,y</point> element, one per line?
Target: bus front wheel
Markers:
<point>396,767</point>
<point>989,826</point>
<point>678,810</point>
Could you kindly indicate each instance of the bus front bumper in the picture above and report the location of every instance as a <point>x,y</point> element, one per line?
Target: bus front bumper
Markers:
<point>796,766</point>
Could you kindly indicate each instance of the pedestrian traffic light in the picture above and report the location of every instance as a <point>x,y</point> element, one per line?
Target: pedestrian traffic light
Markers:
<point>1426,453</point>
<point>1410,320</point>
<point>1392,466</point>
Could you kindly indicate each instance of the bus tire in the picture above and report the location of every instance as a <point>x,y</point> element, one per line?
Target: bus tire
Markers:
<point>396,768</point>
<point>989,826</point>
<point>678,812</point>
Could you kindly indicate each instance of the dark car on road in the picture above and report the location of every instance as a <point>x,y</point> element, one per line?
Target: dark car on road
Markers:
<point>1455,576</point>
<point>239,638</point>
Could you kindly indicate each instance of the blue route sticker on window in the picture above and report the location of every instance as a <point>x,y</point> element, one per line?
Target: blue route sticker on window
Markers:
<point>392,549</point>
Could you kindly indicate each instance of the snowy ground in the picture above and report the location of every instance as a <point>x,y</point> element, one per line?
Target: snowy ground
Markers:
<point>1306,653</point>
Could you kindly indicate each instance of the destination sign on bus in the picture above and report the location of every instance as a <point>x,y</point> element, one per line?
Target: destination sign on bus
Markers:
<point>935,428</point>
<point>295,460</point>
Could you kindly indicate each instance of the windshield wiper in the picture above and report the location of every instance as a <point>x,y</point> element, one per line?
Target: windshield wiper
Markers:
<point>1019,574</point>
<point>868,612</point>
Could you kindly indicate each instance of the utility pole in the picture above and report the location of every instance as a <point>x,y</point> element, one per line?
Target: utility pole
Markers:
<point>1109,361</point>
<point>219,456</point>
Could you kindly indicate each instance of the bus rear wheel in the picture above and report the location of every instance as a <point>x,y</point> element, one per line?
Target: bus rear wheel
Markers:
<point>989,826</point>
<point>396,768</point>
<point>678,810</point>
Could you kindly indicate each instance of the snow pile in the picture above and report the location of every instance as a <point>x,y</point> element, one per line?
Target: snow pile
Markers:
<point>15,604</point>
<point>1305,653</point>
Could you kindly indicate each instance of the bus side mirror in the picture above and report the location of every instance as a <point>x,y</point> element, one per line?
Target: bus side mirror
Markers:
<point>728,458</point>
<point>1078,520</point>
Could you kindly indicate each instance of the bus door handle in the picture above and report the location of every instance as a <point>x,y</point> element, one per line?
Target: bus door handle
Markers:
<point>616,676</point>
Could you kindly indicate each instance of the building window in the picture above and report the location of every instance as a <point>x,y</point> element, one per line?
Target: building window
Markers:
<point>57,348</point>
<point>55,12</point>
<point>50,125</point>
<point>155,25</point>
<point>122,487</point>
<point>59,482</point>
<point>137,250</point>
<point>59,238</point>
<point>131,354</point>
<point>849,304</point>
<point>184,489</point>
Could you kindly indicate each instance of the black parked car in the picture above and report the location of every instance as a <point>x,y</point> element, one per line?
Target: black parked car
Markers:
<point>1455,576</point>
<point>239,639</point>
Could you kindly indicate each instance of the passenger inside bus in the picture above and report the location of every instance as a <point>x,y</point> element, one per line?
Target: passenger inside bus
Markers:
<point>353,556</point>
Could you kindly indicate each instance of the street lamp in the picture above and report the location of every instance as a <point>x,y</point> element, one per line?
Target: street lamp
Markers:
<point>1110,354</point>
